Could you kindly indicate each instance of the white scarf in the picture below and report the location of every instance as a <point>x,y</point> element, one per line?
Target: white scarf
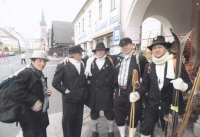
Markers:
<point>89,62</point>
<point>170,64</point>
<point>76,63</point>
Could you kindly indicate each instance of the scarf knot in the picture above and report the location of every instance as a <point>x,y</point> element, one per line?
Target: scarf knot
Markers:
<point>170,64</point>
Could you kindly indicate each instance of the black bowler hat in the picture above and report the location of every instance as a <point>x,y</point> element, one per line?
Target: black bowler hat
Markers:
<point>125,41</point>
<point>160,40</point>
<point>100,46</point>
<point>75,49</point>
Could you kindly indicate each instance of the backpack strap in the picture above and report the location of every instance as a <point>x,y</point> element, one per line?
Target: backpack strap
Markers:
<point>174,60</point>
<point>111,61</point>
<point>83,64</point>
<point>138,63</point>
<point>149,68</point>
<point>33,79</point>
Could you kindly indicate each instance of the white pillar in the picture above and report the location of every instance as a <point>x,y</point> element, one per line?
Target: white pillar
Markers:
<point>105,41</point>
<point>89,47</point>
<point>94,44</point>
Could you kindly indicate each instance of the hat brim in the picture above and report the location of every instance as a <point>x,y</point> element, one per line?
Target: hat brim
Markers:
<point>40,58</point>
<point>166,45</point>
<point>106,49</point>
<point>76,51</point>
<point>122,44</point>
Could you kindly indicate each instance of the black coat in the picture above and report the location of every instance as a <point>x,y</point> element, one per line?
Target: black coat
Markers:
<point>133,65</point>
<point>18,92</point>
<point>101,87</point>
<point>67,77</point>
<point>161,98</point>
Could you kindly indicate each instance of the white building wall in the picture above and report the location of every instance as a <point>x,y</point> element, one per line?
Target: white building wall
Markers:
<point>100,28</point>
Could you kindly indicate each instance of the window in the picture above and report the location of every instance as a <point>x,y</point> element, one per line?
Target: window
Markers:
<point>112,5</point>
<point>89,18</point>
<point>79,27</point>
<point>99,40</point>
<point>100,9</point>
<point>83,25</point>
<point>109,41</point>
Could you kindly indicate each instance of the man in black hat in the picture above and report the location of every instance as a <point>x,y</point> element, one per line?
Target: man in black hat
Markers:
<point>100,72</point>
<point>126,62</point>
<point>71,81</point>
<point>159,80</point>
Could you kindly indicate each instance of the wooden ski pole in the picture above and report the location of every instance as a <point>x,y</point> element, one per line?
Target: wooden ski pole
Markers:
<point>196,87</point>
<point>9,65</point>
<point>135,82</point>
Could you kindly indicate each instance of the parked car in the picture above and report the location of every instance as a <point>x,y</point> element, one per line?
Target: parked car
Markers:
<point>11,53</point>
<point>6,54</point>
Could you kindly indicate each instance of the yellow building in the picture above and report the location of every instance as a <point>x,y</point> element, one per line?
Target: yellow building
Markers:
<point>9,42</point>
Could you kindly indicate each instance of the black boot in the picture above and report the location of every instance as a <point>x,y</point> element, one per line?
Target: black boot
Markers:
<point>110,134</point>
<point>95,134</point>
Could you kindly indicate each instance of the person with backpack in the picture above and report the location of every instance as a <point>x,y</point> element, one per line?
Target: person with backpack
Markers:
<point>127,61</point>
<point>100,74</point>
<point>33,100</point>
<point>71,81</point>
<point>159,81</point>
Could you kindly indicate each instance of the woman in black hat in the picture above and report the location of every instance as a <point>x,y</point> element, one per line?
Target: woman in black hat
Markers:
<point>158,80</point>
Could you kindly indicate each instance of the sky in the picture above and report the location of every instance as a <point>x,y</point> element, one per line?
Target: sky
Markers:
<point>25,15</point>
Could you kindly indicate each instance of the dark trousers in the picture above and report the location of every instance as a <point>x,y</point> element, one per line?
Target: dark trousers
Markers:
<point>72,119</point>
<point>28,128</point>
<point>149,122</point>
<point>122,107</point>
<point>109,114</point>
<point>23,60</point>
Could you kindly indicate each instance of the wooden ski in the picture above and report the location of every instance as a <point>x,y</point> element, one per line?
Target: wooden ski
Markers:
<point>189,109</point>
<point>175,100</point>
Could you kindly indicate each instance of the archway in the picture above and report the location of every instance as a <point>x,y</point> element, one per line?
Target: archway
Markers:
<point>153,26</point>
<point>134,19</point>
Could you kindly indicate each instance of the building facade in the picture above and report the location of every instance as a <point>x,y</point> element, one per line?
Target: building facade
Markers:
<point>9,42</point>
<point>62,37</point>
<point>43,34</point>
<point>96,22</point>
<point>108,20</point>
<point>20,38</point>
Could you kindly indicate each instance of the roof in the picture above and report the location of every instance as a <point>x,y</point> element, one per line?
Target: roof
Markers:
<point>42,22</point>
<point>5,33</point>
<point>62,32</point>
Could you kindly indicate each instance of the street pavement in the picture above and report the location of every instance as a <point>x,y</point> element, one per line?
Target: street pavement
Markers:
<point>55,115</point>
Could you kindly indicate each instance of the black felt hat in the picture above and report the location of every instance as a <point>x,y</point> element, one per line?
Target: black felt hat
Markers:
<point>100,46</point>
<point>160,40</point>
<point>125,41</point>
<point>75,49</point>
